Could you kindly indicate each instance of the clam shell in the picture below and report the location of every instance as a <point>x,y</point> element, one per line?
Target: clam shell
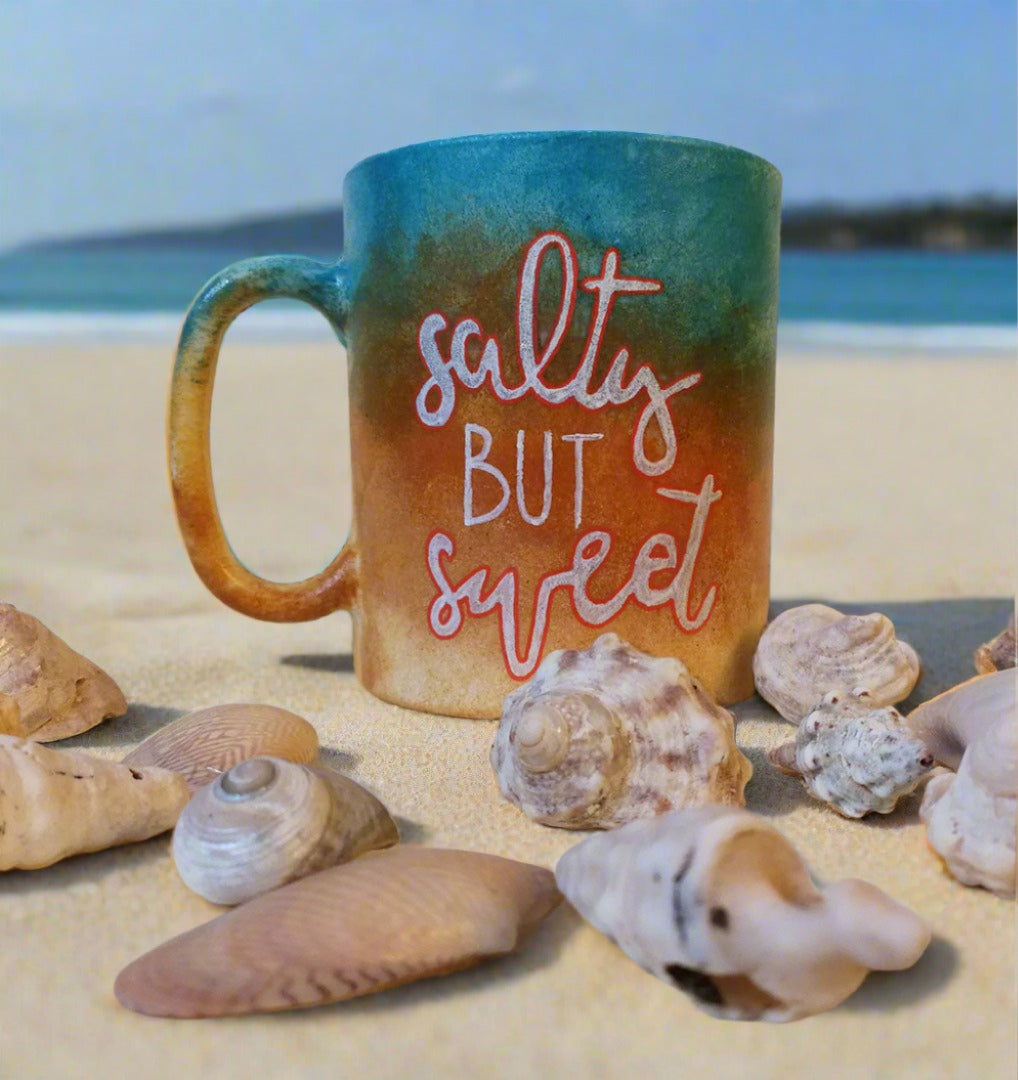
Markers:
<point>56,803</point>
<point>202,744</point>
<point>388,918</point>
<point>605,735</point>
<point>810,650</point>
<point>53,692</point>
<point>268,821</point>
<point>716,902</point>
<point>857,759</point>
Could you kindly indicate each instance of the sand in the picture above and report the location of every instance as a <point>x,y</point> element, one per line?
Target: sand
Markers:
<point>894,489</point>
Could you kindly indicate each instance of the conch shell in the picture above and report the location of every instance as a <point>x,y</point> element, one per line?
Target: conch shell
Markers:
<point>56,803</point>
<point>268,821</point>
<point>717,902</point>
<point>388,918</point>
<point>603,736</point>
<point>47,690</point>
<point>997,654</point>
<point>855,758</point>
<point>206,742</point>
<point>971,816</point>
<point>810,650</point>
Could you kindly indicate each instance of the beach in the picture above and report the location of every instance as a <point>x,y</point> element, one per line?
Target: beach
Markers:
<point>894,490</point>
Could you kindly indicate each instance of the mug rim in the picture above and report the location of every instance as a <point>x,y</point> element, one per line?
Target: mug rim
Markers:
<point>555,134</point>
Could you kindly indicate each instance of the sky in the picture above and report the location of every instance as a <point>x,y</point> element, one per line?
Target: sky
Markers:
<point>118,114</point>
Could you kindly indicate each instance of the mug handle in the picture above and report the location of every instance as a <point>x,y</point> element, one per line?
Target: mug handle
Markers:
<point>231,291</point>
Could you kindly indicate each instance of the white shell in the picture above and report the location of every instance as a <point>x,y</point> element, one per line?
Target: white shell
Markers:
<point>605,735</point>
<point>716,901</point>
<point>855,758</point>
<point>971,816</point>
<point>812,649</point>
<point>268,821</point>
<point>56,803</point>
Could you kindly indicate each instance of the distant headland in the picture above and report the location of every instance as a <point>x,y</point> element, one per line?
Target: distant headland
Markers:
<point>976,224</point>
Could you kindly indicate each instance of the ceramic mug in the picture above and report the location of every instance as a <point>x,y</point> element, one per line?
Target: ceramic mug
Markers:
<point>561,368</point>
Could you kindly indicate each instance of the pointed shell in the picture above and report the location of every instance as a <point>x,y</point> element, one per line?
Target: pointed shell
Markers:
<point>609,734</point>
<point>386,919</point>
<point>56,803</point>
<point>997,654</point>
<point>971,816</point>
<point>949,722</point>
<point>56,692</point>
<point>268,821</point>
<point>717,902</point>
<point>813,649</point>
<point>857,759</point>
<point>206,742</point>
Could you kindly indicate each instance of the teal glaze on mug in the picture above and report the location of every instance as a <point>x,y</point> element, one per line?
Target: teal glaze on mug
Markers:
<point>561,355</point>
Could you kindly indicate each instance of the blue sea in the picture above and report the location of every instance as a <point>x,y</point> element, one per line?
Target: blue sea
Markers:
<point>853,299</point>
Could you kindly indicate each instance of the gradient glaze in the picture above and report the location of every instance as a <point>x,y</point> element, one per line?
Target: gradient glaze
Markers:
<point>445,228</point>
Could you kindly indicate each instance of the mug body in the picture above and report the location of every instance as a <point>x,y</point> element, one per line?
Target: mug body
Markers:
<point>561,352</point>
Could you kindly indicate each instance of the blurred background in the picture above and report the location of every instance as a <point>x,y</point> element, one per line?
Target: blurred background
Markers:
<point>144,146</point>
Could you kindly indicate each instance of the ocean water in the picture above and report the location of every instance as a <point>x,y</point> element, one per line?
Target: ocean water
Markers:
<point>843,299</point>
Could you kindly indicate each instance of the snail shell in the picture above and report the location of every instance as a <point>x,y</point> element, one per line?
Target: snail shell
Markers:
<point>56,803</point>
<point>380,921</point>
<point>605,735</point>
<point>716,902</point>
<point>855,758</point>
<point>810,650</point>
<point>206,742</point>
<point>50,691</point>
<point>268,821</point>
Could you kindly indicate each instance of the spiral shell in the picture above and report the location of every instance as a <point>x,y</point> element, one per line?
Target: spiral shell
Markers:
<point>857,759</point>
<point>268,821</point>
<point>383,920</point>
<point>609,734</point>
<point>813,649</point>
<point>999,653</point>
<point>716,902</point>
<point>206,742</point>
<point>49,691</point>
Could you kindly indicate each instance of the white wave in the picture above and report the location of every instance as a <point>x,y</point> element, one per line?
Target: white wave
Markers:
<point>795,335</point>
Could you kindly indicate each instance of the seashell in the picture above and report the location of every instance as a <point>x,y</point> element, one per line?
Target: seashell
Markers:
<point>206,742</point>
<point>855,758</point>
<point>56,803</point>
<point>812,649</point>
<point>386,919</point>
<point>603,736</point>
<point>715,901</point>
<point>971,815</point>
<point>56,692</point>
<point>949,722</point>
<point>998,654</point>
<point>268,821</point>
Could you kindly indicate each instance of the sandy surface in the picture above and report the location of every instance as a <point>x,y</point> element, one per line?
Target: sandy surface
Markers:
<point>894,488</point>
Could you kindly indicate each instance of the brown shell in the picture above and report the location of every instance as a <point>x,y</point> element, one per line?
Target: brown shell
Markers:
<point>202,744</point>
<point>998,653</point>
<point>388,918</point>
<point>50,691</point>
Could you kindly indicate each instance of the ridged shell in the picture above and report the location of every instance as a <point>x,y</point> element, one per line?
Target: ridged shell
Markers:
<point>813,649</point>
<point>268,821</point>
<point>949,722</point>
<point>998,654</point>
<point>857,759</point>
<point>603,736</point>
<point>717,902</point>
<point>388,918</point>
<point>56,803</point>
<point>51,691</point>
<point>202,744</point>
